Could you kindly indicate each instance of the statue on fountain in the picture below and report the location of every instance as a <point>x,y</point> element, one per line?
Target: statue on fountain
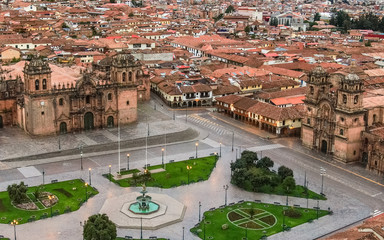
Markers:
<point>143,200</point>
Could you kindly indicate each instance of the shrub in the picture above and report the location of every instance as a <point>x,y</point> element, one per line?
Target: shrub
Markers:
<point>284,172</point>
<point>224,226</point>
<point>292,213</point>
<point>17,192</point>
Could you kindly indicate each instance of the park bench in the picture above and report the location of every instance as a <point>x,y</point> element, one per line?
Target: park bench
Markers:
<point>122,169</point>
<point>54,181</point>
<point>276,203</point>
<point>128,237</point>
<point>171,161</point>
<point>258,201</point>
<point>296,205</point>
<point>191,158</point>
<point>241,201</point>
<point>153,237</point>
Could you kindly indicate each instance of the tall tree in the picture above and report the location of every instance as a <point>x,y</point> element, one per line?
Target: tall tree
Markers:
<point>316,17</point>
<point>17,192</point>
<point>99,227</point>
<point>230,9</point>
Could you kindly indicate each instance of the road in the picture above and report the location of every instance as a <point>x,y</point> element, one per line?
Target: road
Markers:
<point>352,193</point>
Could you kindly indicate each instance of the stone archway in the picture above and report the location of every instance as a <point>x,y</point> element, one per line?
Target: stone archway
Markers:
<point>63,128</point>
<point>1,121</point>
<point>88,121</point>
<point>110,122</point>
<point>324,146</point>
<point>364,158</point>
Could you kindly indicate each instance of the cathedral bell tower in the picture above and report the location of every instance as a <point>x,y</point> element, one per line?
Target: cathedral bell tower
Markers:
<point>37,76</point>
<point>125,69</point>
<point>349,118</point>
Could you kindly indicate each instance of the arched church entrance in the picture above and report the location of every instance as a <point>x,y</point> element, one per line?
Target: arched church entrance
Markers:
<point>88,121</point>
<point>324,146</point>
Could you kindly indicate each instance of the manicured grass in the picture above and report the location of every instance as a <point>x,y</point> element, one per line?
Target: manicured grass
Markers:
<point>176,173</point>
<point>71,195</point>
<point>299,191</point>
<point>267,220</point>
<point>126,172</point>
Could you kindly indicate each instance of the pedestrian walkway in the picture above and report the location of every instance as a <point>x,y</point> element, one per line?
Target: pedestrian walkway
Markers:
<point>219,129</point>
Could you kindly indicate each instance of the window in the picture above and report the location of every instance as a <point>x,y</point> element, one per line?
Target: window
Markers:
<point>148,45</point>
<point>137,45</point>
<point>44,83</point>
<point>37,84</point>
<point>61,102</point>
<point>109,96</point>
<point>308,121</point>
<point>374,118</point>
<point>342,119</point>
<point>312,90</point>
<point>127,102</point>
<point>344,98</point>
<point>341,132</point>
<point>42,113</point>
<point>354,152</point>
<point>124,77</point>
<point>87,99</point>
<point>356,119</point>
<point>356,99</point>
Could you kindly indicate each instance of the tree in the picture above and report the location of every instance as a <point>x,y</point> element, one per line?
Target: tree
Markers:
<point>289,184</point>
<point>273,22</point>
<point>17,192</point>
<point>218,17</point>
<point>99,227</point>
<point>131,14</point>
<point>368,43</point>
<point>249,158</point>
<point>284,172</point>
<point>230,9</point>
<point>316,17</point>
<point>265,163</point>
<point>64,25</point>
<point>247,29</point>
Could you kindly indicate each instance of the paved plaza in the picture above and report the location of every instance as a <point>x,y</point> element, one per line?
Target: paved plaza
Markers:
<point>348,204</point>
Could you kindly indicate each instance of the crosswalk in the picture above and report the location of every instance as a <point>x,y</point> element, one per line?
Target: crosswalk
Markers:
<point>219,129</point>
<point>376,213</point>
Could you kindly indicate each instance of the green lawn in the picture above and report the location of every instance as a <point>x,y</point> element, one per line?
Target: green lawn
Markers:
<point>126,172</point>
<point>267,219</point>
<point>71,195</point>
<point>298,192</point>
<point>176,173</point>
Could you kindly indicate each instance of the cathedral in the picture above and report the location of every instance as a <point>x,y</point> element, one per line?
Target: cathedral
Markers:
<point>42,107</point>
<point>345,120</point>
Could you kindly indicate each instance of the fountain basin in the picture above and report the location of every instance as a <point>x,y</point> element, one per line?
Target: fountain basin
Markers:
<point>152,207</point>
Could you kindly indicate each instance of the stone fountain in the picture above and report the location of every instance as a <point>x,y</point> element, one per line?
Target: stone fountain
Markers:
<point>144,204</point>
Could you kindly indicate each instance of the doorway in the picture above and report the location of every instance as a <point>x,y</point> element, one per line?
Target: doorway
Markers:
<point>88,121</point>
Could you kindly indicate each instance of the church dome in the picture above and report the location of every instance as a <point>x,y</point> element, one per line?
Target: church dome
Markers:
<point>318,70</point>
<point>352,77</point>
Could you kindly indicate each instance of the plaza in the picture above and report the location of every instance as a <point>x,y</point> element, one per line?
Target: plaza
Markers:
<point>348,197</point>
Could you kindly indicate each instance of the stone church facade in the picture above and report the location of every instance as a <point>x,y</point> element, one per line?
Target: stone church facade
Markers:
<point>338,122</point>
<point>44,108</point>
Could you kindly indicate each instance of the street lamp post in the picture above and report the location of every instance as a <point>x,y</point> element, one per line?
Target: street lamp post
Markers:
<point>183,233</point>
<point>128,161</point>
<point>90,178</point>
<point>233,139</point>
<point>317,209</point>
<point>225,188</point>
<point>110,172</point>
<point>50,197</point>
<point>199,211</point>
<point>188,169</point>
<point>236,153</point>
<point>86,193</point>
<point>162,157</point>
<point>246,231</point>
<point>283,221</point>
<point>196,144</point>
<point>322,173</point>
<point>220,149</point>
<point>81,160</point>
<point>141,228</point>
<point>307,193</point>
<point>43,175</point>
<point>286,202</point>
<point>204,229</point>
<point>81,157</point>
<point>14,223</point>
